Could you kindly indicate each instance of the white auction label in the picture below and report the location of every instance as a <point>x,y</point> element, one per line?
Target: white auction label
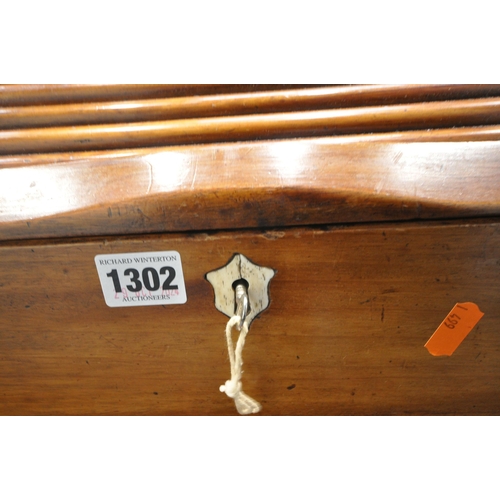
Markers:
<point>141,279</point>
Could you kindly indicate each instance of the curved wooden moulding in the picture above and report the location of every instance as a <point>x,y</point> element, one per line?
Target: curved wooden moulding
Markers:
<point>253,127</point>
<point>230,186</point>
<point>23,95</point>
<point>456,134</point>
<point>244,103</point>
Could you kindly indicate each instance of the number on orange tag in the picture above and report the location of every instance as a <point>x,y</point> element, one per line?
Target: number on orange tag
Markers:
<point>453,330</point>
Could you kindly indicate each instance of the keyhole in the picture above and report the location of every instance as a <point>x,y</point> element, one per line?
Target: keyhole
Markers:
<point>236,285</point>
<point>241,281</point>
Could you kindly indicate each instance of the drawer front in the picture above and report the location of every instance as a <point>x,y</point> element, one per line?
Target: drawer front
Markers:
<point>350,310</point>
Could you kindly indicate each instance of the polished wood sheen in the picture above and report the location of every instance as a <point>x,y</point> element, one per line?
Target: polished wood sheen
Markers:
<point>251,185</point>
<point>351,309</point>
<point>378,206</point>
<point>253,127</point>
<point>22,95</point>
<point>270,101</point>
<point>457,134</point>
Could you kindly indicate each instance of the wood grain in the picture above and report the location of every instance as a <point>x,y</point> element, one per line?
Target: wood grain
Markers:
<point>231,186</point>
<point>24,95</point>
<point>220,104</point>
<point>455,134</point>
<point>352,305</point>
<point>351,309</point>
<point>253,127</point>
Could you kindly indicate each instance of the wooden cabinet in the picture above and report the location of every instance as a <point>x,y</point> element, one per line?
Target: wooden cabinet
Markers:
<point>374,233</point>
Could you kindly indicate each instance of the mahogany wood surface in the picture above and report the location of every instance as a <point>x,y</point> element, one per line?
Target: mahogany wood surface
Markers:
<point>377,205</point>
<point>220,104</point>
<point>351,309</point>
<point>253,127</point>
<point>455,134</point>
<point>22,95</point>
<point>229,186</point>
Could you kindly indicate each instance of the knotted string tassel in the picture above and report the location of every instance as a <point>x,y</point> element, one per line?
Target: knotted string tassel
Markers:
<point>244,404</point>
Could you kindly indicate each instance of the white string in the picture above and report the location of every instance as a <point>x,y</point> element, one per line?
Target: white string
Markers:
<point>244,404</point>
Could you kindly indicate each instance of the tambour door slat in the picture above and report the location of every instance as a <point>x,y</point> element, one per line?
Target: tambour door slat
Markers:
<point>253,127</point>
<point>245,103</point>
<point>456,134</point>
<point>21,95</point>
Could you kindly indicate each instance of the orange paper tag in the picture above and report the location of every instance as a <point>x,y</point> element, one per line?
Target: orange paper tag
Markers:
<point>456,326</point>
